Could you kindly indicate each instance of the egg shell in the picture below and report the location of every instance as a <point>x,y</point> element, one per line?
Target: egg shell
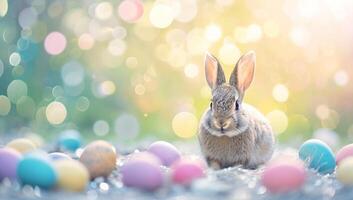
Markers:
<point>344,152</point>
<point>58,156</point>
<point>283,175</point>
<point>165,151</point>
<point>36,139</point>
<point>142,171</point>
<point>344,172</point>
<point>9,159</point>
<point>70,140</point>
<point>72,175</point>
<point>185,170</point>
<point>318,156</point>
<point>22,145</point>
<point>99,157</point>
<point>35,169</point>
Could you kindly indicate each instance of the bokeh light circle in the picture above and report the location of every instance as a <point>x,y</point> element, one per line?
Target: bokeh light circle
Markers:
<point>3,7</point>
<point>27,17</point>
<point>5,105</point>
<point>56,113</point>
<point>101,128</point>
<point>278,120</point>
<point>127,126</point>
<point>117,47</point>
<point>130,10</point>
<point>280,93</point>
<point>72,73</point>
<point>16,89</point>
<point>107,88</point>
<point>229,53</point>
<point>191,70</point>
<point>161,15</point>
<point>15,59</point>
<point>55,43</point>
<point>104,10</point>
<point>213,33</point>
<point>82,103</point>
<point>185,124</point>
<point>85,41</point>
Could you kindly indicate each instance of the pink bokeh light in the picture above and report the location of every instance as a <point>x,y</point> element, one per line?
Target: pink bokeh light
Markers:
<point>55,43</point>
<point>130,10</point>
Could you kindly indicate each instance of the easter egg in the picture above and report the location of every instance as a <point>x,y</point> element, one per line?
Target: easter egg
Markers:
<point>142,171</point>
<point>72,175</point>
<point>165,151</point>
<point>35,169</point>
<point>285,175</point>
<point>58,156</point>
<point>22,145</point>
<point>318,156</point>
<point>185,170</point>
<point>344,172</point>
<point>343,153</point>
<point>9,159</point>
<point>99,157</point>
<point>70,140</point>
<point>36,139</point>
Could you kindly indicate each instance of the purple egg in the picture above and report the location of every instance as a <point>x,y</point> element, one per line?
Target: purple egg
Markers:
<point>58,156</point>
<point>165,151</point>
<point>9,160</point>
<point>142,171</point>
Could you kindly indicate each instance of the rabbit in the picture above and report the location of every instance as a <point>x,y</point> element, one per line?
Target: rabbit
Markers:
<point>231,132</point>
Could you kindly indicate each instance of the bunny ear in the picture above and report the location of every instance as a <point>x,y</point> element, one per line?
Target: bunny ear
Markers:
<point>213,70</point>
<point>243,72</point>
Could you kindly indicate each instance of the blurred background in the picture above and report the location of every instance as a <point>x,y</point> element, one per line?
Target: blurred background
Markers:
<point>130,70</point>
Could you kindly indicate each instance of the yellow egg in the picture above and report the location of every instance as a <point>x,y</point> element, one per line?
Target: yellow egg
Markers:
<point>72,175</point>
<point>22,145</point>
<point>36,139</point>
<point>344,171</point>
<point>99,157</point>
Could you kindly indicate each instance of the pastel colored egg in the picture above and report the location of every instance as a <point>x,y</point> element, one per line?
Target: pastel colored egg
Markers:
<point>36,139</point>
<point>35,169</point>
<point>284,175</point>
<point>165,151</point>
<point>185,170</point>
<point>22,145</point>
<point>142,171</point>
<point>58,156</point>
<point>72,175</point>
<point>70,140</point>
<point>344,172</point>
<point>9,159</point>
<point>318,156</point>
<point>100,158</point>
<point>346,151</point>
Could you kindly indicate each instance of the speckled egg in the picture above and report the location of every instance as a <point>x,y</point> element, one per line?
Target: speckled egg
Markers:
<point>318,156</point>
<point>36,169</point>
<point>9,159</point>
<point>344,152</point>
<point>99,157</point>
<point>186,169</point>
<point>165,151</point>
<point>22,145</point>
<point>70,140</point>
<point>72,175</point>
<point>142,171</point>
<point>58,156</point>
<point>283,175</point>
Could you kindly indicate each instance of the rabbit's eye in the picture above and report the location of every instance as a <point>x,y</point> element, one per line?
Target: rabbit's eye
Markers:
<point>236,105</point>
<point>211,105</point>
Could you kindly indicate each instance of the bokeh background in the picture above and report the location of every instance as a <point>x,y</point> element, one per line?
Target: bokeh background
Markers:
<point>130,70</point>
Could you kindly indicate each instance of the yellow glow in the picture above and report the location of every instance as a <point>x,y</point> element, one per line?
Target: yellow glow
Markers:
<point>104,10</point>
<point>271,29</point>
<point>140,89</point>
<point>184,124</point>
<point>278,120</point>
<point>280,93</point>
<point>107,88</point>
<point>3,7</point>
<point>161,15</point>
<point>322,112</point>
<point>56,112</point>
<point>229,53</point>
<point>213,33</point>
<point>191,70</point>
<point>195,42</point>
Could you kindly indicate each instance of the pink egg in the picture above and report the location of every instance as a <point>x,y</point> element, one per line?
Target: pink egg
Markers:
<point>344,152</point>
<point>185,170</point>
<point>142,171</point>
<point>165,151</point>
<point>283,175</point>
<point>130,10</point>
<point>55,43</point>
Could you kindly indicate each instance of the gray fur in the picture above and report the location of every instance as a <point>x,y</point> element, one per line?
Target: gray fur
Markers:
<point>230,137</point>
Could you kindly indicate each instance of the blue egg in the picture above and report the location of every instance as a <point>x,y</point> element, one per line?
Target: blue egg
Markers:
<point>70,140</point>
<point>35,169</point>
<point>318,156</point>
